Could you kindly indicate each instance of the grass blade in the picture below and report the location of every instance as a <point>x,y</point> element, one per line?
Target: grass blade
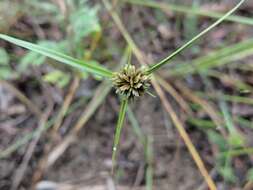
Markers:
<point>89,66</point>
<point>122,113</point>
<point>190,11</point>
<point>235,139</point>
<point>164,61</point>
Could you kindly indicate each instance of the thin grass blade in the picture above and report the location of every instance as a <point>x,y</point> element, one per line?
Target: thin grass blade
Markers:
<point>189,43</point>
<point>89,66</point>
<point>122,113</point>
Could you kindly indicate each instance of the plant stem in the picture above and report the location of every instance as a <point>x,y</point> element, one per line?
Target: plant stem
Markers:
<point>121,118</point>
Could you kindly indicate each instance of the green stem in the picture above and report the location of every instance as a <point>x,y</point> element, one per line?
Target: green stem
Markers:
<point>122,113</point>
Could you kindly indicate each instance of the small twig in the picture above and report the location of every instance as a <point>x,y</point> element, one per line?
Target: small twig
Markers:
<point>213,173</point>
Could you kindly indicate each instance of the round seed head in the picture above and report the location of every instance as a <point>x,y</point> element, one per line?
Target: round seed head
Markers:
<point>131,82</point>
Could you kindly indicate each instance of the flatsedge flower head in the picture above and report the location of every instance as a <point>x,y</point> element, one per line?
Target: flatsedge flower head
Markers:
<point>131,82</point>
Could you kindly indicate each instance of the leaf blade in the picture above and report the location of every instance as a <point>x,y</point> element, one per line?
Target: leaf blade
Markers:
<point>89,66</point>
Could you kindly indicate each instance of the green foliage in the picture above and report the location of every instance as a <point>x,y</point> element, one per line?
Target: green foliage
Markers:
<point>4,57</point>
<point>36,59</point>
<point>42,11</point>
<point>84,21</point>
<point>191,23</point>
<point>223,163</point>
<point>57,77</point>
<point>191,27</point>
<point>235,139</point>
<point>217,139</point>
<point>228,173</point>
<point>201,123</point>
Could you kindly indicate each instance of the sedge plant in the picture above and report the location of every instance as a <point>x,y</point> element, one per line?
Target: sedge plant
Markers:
<point>129,82</point>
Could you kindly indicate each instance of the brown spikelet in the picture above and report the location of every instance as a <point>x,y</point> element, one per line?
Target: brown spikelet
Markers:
<point>131,82</point>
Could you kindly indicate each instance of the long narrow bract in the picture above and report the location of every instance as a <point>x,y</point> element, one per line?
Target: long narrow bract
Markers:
<point>189,43</point>
<point>89,66</point>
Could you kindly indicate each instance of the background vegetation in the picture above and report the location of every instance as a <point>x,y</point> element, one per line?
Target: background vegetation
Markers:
<point>57,123</point>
